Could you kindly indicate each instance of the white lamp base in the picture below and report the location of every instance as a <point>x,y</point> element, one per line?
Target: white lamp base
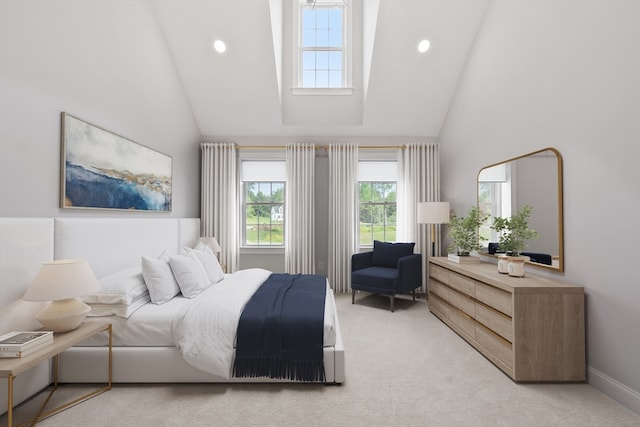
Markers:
<point>63,315</point>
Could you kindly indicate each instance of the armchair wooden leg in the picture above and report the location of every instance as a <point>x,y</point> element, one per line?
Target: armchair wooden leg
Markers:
<point>353,296</point>
<point>414,294</point>
<point>392,298</point>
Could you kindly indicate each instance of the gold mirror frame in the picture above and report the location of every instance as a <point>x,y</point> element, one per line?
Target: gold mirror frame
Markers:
<point>560,217</point>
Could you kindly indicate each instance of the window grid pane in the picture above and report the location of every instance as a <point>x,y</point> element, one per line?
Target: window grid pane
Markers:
<point>264,213</point>
<point>321,64</point>
<point>377,211</point>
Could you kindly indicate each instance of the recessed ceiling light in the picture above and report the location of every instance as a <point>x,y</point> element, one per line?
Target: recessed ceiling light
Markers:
<point>423,46</point>
<point>219,46</point>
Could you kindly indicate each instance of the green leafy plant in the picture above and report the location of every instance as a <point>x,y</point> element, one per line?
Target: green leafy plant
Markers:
<point>464,231</point>
<point>514,231</point>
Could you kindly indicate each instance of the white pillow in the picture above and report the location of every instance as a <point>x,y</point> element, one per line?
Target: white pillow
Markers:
<point>209,264</point>
<point>120,310</point>
<point>159,279</point>
<point>189,274</point>
<point>120,287</point>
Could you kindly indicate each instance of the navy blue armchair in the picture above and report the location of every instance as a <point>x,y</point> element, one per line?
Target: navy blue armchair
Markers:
<point>390,269</point>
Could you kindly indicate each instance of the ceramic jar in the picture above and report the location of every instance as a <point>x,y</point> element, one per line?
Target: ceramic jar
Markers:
<point>515,267</point>
<point>503,264</point>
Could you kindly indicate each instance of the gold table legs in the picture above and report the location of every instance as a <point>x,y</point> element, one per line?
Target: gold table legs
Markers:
<point>41,414</point>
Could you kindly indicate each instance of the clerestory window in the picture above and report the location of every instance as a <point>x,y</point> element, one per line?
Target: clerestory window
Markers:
<point>323,54</point>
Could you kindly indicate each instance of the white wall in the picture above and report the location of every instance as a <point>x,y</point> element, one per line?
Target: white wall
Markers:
<point>566,74</point>
<point>104,62</point>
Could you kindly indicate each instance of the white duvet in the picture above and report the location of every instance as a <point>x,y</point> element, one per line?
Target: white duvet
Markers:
<point>205,330</point>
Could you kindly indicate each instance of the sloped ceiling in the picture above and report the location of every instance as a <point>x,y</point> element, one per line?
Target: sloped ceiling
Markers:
<point>238,92</point>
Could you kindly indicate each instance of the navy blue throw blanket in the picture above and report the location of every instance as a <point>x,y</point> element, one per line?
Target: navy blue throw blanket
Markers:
<point>280,332</point>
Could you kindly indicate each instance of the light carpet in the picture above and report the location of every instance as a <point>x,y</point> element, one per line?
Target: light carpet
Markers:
<point>402,369</point>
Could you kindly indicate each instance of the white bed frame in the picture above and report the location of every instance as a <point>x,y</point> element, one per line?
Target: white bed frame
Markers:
<point>108,245</point>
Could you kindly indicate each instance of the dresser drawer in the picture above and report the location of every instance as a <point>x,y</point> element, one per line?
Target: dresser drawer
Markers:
<point>439,289</point>
<point>496,345</point>
<point>464,322</point>
<point>494,297</point>
<point>499,323</point>
<point>438,306</point>
<point>462,284</point>
<point>439,273</point>
<point>463,303</point>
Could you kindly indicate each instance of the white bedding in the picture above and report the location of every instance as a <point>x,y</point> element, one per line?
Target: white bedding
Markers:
<point>170,324</point>
<point>205,331</point>
<point>149,326</point>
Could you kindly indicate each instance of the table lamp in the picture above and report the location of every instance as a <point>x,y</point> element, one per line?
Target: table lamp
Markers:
<point>433,213</point>
<point>62,282</point>
<point>212,243</point>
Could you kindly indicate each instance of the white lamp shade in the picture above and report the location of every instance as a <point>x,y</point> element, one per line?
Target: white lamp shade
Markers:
<point>62,279</point>
<point>211,242</point>
<point>433,213</point>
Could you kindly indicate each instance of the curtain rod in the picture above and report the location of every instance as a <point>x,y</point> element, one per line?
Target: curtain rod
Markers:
<point>317,147</point>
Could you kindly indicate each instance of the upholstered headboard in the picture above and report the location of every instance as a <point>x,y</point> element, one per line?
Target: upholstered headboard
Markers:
<point>109,245</point>
<point>25,243</point>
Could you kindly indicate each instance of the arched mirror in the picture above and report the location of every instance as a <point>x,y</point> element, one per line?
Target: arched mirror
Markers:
<point>533,179</point>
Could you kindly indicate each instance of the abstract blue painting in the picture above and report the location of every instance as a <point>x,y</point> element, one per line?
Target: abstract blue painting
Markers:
<point>102,170</point>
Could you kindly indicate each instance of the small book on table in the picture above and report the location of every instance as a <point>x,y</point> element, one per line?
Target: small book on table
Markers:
<point>18,344</point>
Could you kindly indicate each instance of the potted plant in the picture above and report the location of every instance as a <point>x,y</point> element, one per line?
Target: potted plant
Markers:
<point>464,234</point>
<point>514,232</point>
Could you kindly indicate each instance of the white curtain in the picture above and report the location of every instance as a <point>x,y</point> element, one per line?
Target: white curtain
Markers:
<point>299,252</point>
<point>219,200</point>
<point>343,214</point>
<point>419,181</point>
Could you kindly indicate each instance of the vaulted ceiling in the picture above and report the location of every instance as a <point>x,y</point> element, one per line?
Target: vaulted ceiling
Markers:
<point>246,90</point>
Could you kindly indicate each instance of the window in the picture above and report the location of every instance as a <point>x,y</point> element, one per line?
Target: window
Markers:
<point>322,45</point>
<point>377,201</point>
<point>263,184</point>
<point>494,197</point>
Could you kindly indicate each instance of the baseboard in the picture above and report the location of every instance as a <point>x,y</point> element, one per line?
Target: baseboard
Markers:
<point>615,389</point>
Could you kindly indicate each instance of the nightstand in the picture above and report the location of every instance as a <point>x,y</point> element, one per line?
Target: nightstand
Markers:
<point>11,368</point>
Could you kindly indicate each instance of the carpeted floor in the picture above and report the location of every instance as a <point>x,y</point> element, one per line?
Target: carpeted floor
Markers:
<point>402,369</point>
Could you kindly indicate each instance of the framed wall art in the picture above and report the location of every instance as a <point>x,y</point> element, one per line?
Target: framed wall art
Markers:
<point>102,170</point>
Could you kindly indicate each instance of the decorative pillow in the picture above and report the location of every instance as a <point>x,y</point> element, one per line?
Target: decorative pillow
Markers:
<point>209,264</point>
<point>159,279</point>
<point>189,274</point>
<point>387,254</point>
<point>120,287</point>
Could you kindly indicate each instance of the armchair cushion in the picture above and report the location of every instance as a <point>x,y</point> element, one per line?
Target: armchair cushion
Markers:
<point>387,254</point>
<point>376,279</point>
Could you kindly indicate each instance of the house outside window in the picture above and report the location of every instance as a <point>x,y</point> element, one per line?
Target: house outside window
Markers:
<point>377,201</point>
<point>263,189</point>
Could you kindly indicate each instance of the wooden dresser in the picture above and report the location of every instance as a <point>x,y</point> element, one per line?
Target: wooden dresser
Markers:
<point>531,327</point>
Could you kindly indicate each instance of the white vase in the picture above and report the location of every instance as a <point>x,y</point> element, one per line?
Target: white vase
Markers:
<point>516,267</point>
<point>503,264</point>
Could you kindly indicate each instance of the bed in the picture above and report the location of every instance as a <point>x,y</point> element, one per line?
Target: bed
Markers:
<point>144,348</point>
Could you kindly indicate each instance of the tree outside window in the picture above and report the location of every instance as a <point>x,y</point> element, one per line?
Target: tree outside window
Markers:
<point>377,212</point>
